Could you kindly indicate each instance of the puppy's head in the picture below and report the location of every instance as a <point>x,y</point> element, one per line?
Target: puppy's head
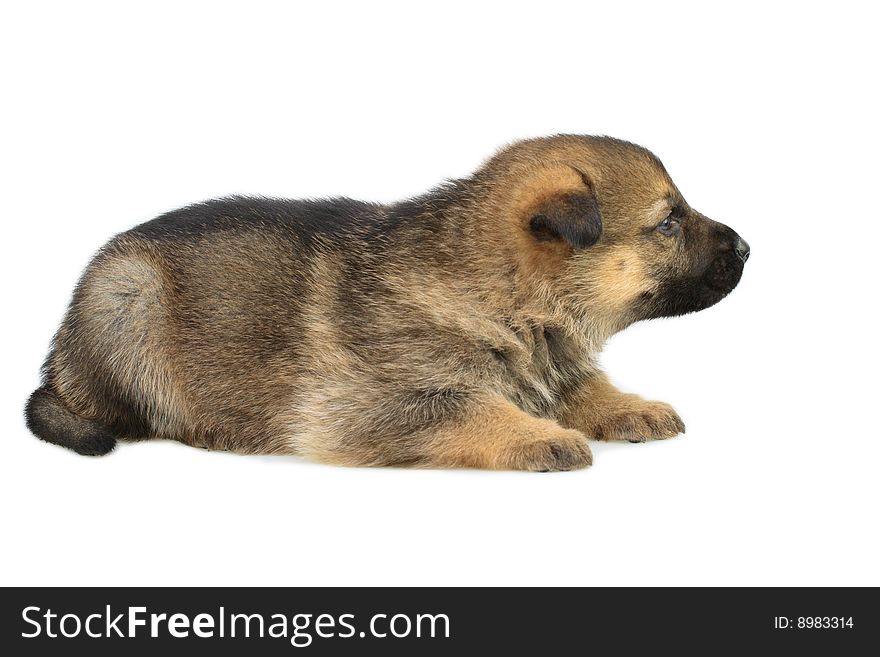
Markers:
<point>605,227</point>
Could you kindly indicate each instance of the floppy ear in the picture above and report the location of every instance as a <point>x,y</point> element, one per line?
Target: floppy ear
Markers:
<point>573,216</point>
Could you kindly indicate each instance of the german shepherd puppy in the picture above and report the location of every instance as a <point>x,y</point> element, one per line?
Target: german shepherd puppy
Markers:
<point>455,329</point>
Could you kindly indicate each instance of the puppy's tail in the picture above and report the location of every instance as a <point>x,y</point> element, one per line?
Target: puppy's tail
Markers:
<point>50,419</point>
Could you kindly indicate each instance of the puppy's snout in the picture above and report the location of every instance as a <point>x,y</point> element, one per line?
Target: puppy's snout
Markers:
<point>741,248</point>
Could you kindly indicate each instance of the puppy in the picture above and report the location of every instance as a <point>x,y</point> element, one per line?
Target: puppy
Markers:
<point>455,329</point>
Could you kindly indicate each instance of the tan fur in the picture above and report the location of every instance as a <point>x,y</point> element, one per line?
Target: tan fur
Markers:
<point>618,277</point>
<point>605,413</point>
<point>453,332</point>
<point>500,436</point>
<point>122,300</point>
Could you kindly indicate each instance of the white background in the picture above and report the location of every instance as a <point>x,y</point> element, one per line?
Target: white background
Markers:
<point>766,117</point>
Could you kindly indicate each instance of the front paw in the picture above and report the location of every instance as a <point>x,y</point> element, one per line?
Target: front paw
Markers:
<point>638,421</point>
<point>565,450</point>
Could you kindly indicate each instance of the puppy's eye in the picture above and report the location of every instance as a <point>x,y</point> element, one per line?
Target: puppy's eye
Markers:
<point>669,226</point>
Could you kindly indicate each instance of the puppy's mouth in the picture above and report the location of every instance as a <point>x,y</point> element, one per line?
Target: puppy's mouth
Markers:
<point>724,273</point>
<point>690,295</point>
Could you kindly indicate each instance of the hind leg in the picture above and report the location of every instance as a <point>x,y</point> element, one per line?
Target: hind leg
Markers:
<point>51,420</point>
<point>108,375</point>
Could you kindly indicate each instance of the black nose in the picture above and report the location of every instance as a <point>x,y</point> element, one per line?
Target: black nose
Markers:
<point>741,248</point>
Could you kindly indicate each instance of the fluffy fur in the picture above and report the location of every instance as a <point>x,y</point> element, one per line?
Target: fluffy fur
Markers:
<point>456,329</point>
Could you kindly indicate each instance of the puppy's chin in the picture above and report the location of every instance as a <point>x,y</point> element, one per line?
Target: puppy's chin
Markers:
<point>691,295</point>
